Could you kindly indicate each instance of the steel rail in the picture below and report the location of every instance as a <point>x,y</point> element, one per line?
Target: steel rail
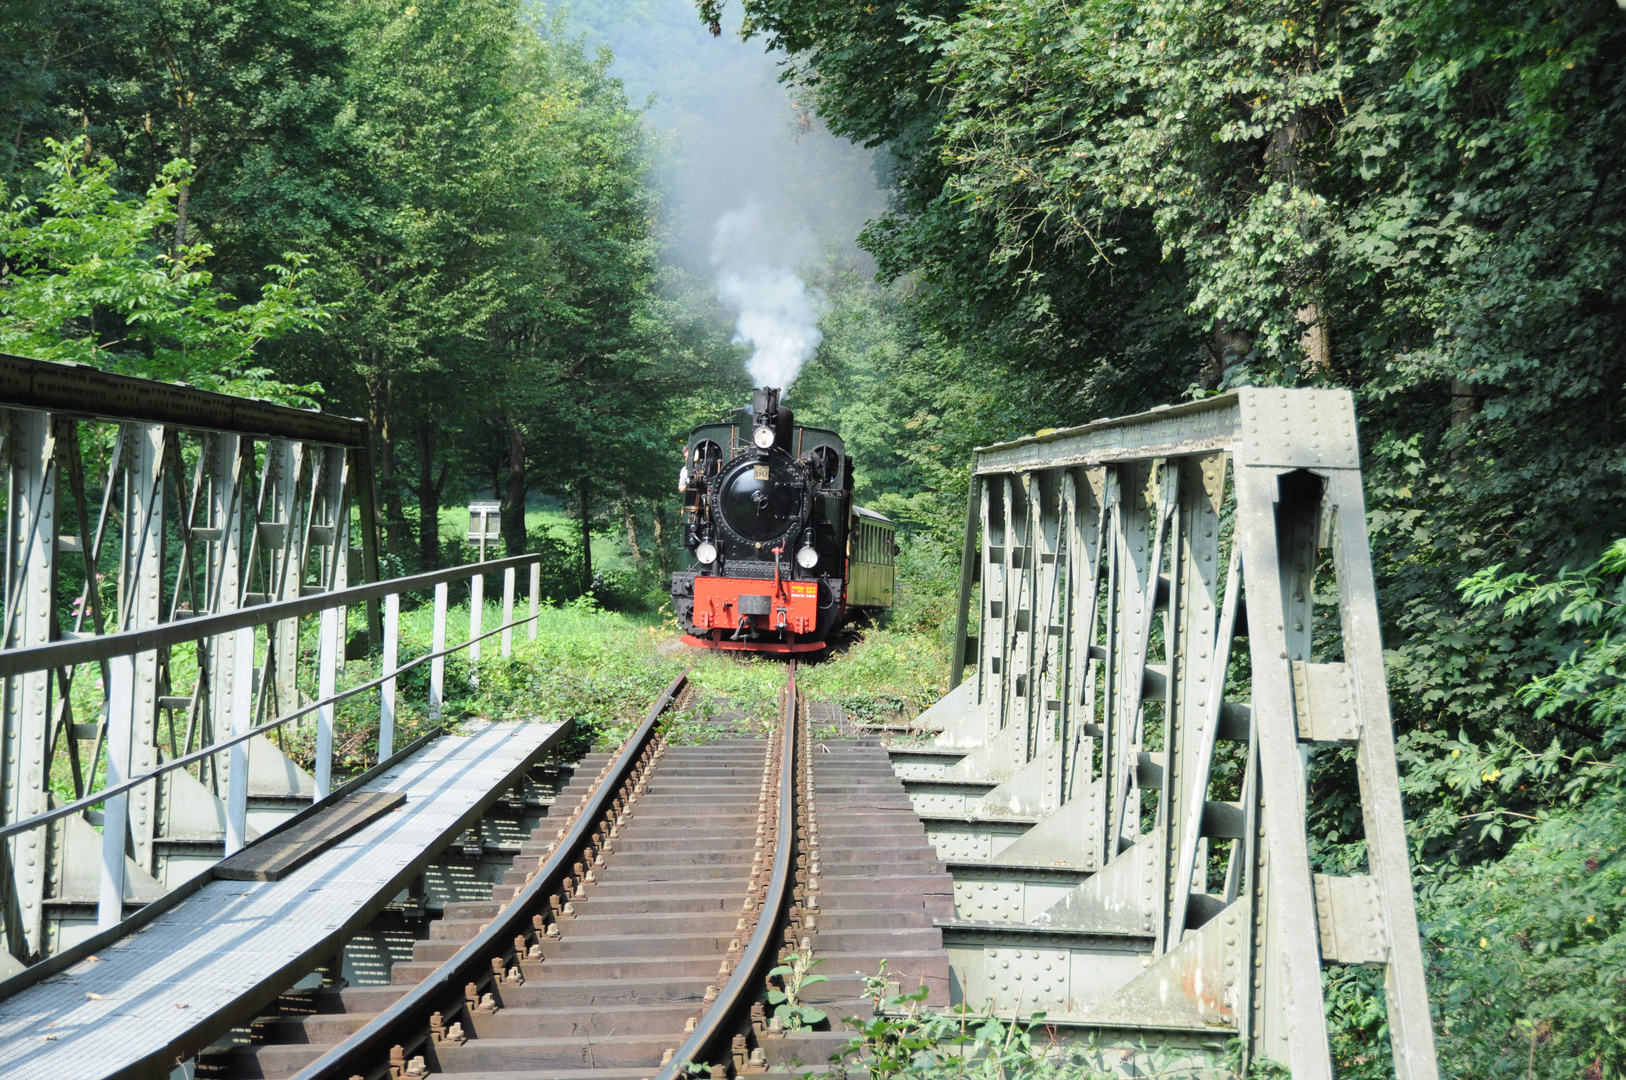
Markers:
<point>212,749</point>
<point>713,1034</point>
<point>89,650</point>
<point>406,1023</point>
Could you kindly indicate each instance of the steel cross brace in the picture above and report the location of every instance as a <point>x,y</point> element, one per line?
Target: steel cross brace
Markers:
<point>182,527</point>
<point>1154,671</point>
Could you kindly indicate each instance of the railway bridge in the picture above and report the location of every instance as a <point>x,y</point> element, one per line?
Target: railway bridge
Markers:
<point>1164,620</point>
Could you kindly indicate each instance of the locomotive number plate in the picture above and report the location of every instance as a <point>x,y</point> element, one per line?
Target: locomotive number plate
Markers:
<point>759,472</point>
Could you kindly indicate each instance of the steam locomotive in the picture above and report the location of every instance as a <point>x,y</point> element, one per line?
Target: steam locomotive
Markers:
<point>781,557</point>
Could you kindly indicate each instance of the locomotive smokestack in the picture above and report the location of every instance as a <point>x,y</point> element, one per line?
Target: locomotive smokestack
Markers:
<point>771,422</point>
<point>764,403</point>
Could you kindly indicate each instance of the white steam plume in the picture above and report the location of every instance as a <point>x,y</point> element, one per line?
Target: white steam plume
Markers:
<point>778,313</point>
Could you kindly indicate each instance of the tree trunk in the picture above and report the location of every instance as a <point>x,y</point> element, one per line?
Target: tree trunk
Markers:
<point>1227,349</point>
<point>587,536</point>
<point>1315,340</point>
<point>389,485</point>
<point>183,195</point>
<point>1464,403</point>
<point>662,562</point>
<point>513,503</point>
<point>631,525</point>
<point>428,497</point>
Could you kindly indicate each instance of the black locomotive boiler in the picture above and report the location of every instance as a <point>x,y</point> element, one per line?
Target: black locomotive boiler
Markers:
<point>781,557</point>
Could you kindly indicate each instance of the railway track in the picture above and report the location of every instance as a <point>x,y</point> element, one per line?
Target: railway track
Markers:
<point>634,935</point>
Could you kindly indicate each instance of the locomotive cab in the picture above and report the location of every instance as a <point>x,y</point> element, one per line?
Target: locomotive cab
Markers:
<point>767,524</point>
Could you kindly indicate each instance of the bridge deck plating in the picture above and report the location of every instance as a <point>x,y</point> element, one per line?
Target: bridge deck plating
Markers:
<point>169,989</point>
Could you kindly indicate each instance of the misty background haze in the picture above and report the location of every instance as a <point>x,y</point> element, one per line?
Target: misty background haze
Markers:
<point>758,196</point>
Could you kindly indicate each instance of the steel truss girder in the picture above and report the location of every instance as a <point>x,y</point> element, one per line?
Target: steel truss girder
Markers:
<point>165,484</point>
<point>1120,564</point>
<point>30,594</point>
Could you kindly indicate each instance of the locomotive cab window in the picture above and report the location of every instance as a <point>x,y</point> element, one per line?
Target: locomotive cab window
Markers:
<point>706,459</point>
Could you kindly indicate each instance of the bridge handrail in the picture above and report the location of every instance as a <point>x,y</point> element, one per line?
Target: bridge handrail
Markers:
<point>88,650</point>
<point>134,782</point>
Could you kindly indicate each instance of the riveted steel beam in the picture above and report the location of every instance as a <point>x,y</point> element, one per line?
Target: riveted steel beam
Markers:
<point>172,506</point>
<point>1154,671</point>
<point>84,391</point>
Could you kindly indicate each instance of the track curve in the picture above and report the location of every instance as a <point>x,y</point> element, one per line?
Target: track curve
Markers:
<point>644,934</point>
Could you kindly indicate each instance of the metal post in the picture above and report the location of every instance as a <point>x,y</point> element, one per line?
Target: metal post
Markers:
<point>282,537</point>
<point>116,811</point>
<point>437,666</point>
<point>223,588</point>
<point>242,716</point>
<point>1298,1037</point>
<point>327,664</point>
<point>31,530</point>
<point>339,545</point>
<point>970,552</point>
<point>140,607</point>
<point>366,503</point>
<point>477,605</point>
<point>392,644</point>
<point>536,594</point>
<point>1405,989</point>
<point>507,611</point>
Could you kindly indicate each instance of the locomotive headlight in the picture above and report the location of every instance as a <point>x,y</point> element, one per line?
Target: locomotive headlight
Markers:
<point>706,552</point>
<point>763,437</point>
<point>807,558</point>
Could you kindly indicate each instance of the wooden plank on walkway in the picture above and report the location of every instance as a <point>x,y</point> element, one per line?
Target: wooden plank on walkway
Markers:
<point>161,994</point>
<point>279,855</point>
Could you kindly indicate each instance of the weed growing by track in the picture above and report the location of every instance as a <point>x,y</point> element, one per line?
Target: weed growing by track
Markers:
<point>905,1040</point>
<point>602,669</point>
<point>883,676</point>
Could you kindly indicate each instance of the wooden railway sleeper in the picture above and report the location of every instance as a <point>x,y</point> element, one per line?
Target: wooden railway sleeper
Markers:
<point>604,814</point>
<point>597,838</point>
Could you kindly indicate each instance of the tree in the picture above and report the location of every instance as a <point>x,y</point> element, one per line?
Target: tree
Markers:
<point>84,280</point>
<point>1425,202</point>
<point>474,193</point>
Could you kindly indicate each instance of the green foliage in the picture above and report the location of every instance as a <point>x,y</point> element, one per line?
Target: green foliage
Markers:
<point>596,667</point>
<point>903,1038</point>
<point>1528,954</point>
<point>472,190</point>
<point>1098,206</point>
<point>883,673</point>
<point>1525,951</point>
<point>1591,682</point>
<point>85,281</point>
<point>1499,783</point>
<point>795,975</point>
<point>599,669</point>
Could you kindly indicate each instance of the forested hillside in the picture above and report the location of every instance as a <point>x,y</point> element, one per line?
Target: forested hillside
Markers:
<point>435,215</point>
<point>1100,206</point>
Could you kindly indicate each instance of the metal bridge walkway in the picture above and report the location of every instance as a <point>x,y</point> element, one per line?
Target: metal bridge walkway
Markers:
<point>160,994</point>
